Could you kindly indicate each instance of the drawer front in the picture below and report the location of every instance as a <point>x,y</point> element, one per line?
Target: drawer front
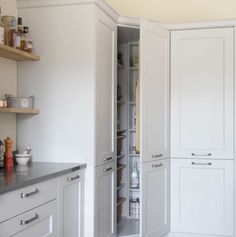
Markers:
<point>24,199</point>
<point>41,221</point>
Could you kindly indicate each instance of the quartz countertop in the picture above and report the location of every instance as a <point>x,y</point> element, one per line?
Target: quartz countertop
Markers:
<point>21,176</point>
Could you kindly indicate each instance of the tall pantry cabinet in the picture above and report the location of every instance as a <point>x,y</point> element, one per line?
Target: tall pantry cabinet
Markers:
<point>202,129</point>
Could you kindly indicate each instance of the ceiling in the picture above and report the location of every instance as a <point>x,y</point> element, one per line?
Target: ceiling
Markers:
<point>176,10</point>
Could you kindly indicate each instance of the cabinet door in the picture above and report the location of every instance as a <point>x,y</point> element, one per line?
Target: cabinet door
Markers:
<point>202,93</point>
<point>154,91</point>
<point>202,196</point>
<point>38,222</point>
<point>105,201</point>
<point>106,32</point>
<point>71,191</point>
<point>155,204</point>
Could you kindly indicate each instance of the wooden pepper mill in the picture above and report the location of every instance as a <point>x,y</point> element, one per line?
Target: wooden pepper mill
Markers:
<point>8,156</point>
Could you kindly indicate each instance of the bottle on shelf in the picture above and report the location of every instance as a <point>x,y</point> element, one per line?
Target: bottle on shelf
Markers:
<point>1,28</point>
<point>19,33</point>
<point>134,208</point>
<point>135,176</point>
<point>26,42</point>
<point>11,35</point>
<point>8,156</point>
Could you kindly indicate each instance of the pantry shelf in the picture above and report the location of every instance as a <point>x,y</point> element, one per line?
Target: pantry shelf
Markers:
<point>16,54</point>
<point>19,111</point>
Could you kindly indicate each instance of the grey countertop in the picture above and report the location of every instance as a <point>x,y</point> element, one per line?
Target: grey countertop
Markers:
<point>22,176</point>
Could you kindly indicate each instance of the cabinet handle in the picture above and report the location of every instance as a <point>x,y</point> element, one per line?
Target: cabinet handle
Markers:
<point>107,169</point>
<point>23,222</point>
<point>209,154</point>
<point>156,156</point>
<point>73,178</point>
<point>108,158</point>
<point>24,195</point>
<point>199,163</point>
<point>157,165</point>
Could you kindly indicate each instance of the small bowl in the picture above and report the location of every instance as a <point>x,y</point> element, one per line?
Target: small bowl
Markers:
<point>23,160</point>
<point>22,155</point>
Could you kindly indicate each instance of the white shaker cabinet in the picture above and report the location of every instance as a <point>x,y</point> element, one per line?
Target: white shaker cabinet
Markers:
<point>202,196</point>
<point>71,204</point>
<point>106,40</point>
<point>202,71</point>
<point>155,205</point>
<point>154,91</point>
<point>105,201</point>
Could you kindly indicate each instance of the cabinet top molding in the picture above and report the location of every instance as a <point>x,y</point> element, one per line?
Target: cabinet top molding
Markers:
<point>24,4</point>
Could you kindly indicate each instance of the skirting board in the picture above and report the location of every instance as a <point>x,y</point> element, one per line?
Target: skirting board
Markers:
<point>174,234</point>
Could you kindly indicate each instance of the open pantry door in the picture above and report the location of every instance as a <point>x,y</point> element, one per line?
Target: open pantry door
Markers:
<point>154,129</point>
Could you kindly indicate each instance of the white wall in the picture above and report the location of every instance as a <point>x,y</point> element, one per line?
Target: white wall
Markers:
<point>8,80</point>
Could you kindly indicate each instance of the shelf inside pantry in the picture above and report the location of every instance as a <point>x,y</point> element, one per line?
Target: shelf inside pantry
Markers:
<point>19,111</point>
<point>120,156</point>
<point>134,155</point>
<point>121,136</point>
<point>134,68</point>
<point>121,130</point>
<point>119,187</point>
<point>134,189</point>
<point>121,66</point>
<point>16,54</point>
<point>120,102</point>
<point>132,130</point>
<point>132,103</point>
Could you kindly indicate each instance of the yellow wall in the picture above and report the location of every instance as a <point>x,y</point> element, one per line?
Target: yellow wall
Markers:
<point>176,10</point>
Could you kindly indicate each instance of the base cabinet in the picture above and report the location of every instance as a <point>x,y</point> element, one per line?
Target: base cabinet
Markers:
<point>105,199</point>
<point>71,192</point>
<point>202,196</point>
<point>155,198</point>
<point>38,222</point>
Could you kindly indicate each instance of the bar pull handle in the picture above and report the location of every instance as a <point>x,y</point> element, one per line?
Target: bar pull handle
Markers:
<point>108,158</point>
<point>73,178</point>
<point>107,169</point>
<point>23,222</point>
<point>157,165</point>
<point>199,163</point>
<point>156,155</point>
<point>208,154</point>
<point>24,195</point>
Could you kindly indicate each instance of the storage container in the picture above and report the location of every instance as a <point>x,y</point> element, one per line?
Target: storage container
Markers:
<point>20,102</point>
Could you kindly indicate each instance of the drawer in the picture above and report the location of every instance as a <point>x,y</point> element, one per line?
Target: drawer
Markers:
<point>24,199</point>
<point>38,222</point>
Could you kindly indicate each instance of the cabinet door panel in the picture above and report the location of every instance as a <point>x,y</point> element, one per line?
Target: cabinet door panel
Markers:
<point>202,196</point>
<point>38,222</point>
<point>71,204</point>
<point>105,88</point>
<point>106,201</point>
<point>202,93</point>
<point>155,198</point>
<point>154,91</point>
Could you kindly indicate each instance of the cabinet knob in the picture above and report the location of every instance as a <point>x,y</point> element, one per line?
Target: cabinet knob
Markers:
<point>73,178</point>
<point>107,158</point>
<point>107,169</point>
<point>24,195</point>
<point>156,155</point>
<point>25,222</point>
<point>157,165</point>
<point>194,154</point>
<point>201,163</point>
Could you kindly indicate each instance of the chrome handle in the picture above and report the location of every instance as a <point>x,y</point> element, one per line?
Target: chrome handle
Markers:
<point>107,169</point>
<point>157,165</point>
<point>73,178</point>
<point>209,154</point>
<point>108,158</point>
<point>23,222</point>
<point>156,155</point>
<point>24,195</point>
<point>199,163</point>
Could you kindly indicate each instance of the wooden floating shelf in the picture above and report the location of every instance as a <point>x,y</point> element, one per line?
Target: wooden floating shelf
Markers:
<point>16,54</point>
<point>19,111</point>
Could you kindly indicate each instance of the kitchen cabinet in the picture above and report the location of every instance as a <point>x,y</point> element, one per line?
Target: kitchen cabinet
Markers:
<point>155,204</point>
<point>38,222</point>
<point>105,199</point>
<point>106,37</point>
<point>202,99</point>
<point>71,203</point>
<point>202,196</point>
<point>154,90</point>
